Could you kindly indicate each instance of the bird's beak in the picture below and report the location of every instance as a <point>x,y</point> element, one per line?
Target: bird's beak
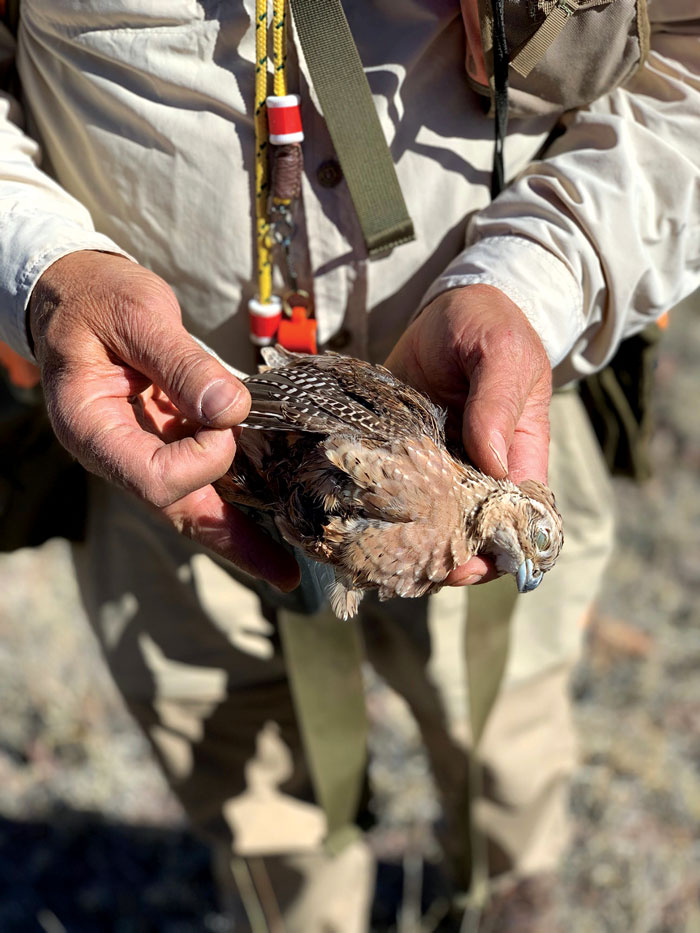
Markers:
<point>527,577</point>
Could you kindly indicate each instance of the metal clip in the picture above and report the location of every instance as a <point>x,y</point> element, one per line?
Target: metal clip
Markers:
<point>297,298</point>
<point>283,229</point>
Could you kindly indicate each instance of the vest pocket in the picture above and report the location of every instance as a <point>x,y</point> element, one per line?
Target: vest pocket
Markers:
<point>563,53</point>
<point>552,17</point>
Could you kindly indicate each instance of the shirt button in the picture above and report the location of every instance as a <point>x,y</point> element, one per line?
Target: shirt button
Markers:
<point>329,174</point>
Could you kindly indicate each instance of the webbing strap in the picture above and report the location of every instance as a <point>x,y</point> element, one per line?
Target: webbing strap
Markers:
<point>324,657</point>
<point>487,638</point>
<point>486,641</point>
<point>534,49</point>
<point>346,100</point>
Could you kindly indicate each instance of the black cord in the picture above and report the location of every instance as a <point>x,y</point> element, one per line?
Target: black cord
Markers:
<point>500,78</point>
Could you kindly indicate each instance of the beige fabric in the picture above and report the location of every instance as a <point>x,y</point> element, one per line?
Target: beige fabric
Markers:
<point>298,893</point>
<point>206,679</point>
<point>564,56</point>
<point>339,894</point>
<point>143,111</point>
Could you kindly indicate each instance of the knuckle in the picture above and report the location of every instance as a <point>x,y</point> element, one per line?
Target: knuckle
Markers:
<point>190,369</point>
<point>151,488</point>
<point>141,302</point>
<point>154,486</point>
<point>151,302</point>
<point>160,497</point>
<point>217,463</point>
<point>66,412</point>
<point>135,324</point>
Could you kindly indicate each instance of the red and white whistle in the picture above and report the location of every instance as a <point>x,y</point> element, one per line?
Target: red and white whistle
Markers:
<point>264,320</point>
<point>284,119</point>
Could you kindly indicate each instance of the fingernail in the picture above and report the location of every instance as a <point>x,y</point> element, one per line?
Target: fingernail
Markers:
<point>219,397</point>
<point>472,578</point>
<point>498,447</point>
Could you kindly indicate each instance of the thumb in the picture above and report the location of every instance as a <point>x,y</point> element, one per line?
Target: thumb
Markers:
<point>506,425</point>
<point>194,381</point>
<point>490,415</point>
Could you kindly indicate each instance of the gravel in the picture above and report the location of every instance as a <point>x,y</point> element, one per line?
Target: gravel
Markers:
<point>91,839</point>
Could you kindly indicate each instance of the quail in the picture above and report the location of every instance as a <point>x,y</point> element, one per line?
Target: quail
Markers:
<point>355,468</point>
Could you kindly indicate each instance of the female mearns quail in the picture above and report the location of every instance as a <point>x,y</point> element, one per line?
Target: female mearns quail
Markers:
<point>353,464</point>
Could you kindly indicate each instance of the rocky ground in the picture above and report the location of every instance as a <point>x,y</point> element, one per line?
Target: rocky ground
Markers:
<point>91,840</point>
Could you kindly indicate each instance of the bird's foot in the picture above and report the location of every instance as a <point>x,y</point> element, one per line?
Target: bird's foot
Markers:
<point>345,601</point>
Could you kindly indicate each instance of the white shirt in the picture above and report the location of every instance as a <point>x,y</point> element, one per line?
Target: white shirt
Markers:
<point>143,113</point>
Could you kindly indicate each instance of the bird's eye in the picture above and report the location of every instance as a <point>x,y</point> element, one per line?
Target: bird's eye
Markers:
<point>542,539</point>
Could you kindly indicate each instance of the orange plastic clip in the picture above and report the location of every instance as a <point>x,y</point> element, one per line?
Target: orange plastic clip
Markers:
<point>297,331</point>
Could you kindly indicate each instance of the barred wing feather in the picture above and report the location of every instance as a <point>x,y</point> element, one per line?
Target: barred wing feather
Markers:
<point>329,394</point>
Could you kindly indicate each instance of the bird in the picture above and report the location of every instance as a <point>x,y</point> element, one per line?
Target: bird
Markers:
<point>354,465</point>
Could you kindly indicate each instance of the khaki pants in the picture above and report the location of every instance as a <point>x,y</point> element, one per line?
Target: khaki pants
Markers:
<point>203,673</point>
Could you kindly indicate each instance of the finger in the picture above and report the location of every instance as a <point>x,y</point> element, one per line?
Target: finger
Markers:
<point>207,519</point>
<point>197,384</point>
<point>188,464</point>
<point>157,414</point>
<point>475,570</point>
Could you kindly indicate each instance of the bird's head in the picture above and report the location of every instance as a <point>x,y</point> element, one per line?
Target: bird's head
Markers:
<point>521,530</point>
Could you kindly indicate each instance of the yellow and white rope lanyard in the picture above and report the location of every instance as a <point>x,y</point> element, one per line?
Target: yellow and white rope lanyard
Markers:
<point>262,172</point>
<point>287,320</point>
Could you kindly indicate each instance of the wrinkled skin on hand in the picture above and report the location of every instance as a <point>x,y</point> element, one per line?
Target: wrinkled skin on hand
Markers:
<point>138,402</point>
<point>474,352</point>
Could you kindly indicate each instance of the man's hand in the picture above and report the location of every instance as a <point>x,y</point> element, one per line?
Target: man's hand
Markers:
<point>136,400</point>
<point>475,353</point>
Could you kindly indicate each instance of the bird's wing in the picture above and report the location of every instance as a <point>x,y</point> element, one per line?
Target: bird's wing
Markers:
<point>332,393</point>
<point>405,411</point>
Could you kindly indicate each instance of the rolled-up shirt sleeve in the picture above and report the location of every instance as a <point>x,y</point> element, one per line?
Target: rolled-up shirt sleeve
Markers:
<point>602,235</point>
<point>39,222</point>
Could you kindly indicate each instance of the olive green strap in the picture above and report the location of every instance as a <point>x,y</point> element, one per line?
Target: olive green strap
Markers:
<point>489,612</point>
<point>490,608</point>
<point>324,657</point>
<point>346,100</point>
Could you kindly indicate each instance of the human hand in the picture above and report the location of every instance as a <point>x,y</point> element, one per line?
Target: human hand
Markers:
<point>137,401</point>
<point>474,352</point>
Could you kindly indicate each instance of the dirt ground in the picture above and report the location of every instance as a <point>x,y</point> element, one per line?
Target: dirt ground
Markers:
<point>91,839</point>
